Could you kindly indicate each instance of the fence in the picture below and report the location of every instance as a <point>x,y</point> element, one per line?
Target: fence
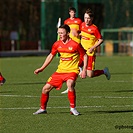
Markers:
<point>117,41</point>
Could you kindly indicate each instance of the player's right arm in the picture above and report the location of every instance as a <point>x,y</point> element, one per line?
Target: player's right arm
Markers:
<point>45,64</point>
<point>48,59</point>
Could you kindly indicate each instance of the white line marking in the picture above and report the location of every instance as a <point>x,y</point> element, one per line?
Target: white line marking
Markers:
<point>17,96</point>
<point>32,108</point>
<point>26,96</point>
<point>110,97</point>
<point>121,81</point>
<point>98,97</point>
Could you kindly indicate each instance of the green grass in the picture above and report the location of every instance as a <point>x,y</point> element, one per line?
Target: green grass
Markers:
<point>104,104</point>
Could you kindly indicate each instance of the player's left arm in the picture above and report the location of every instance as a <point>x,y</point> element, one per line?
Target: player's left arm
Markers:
<point>83,54</point>
<point>98,42</point>
<point>84,71</point>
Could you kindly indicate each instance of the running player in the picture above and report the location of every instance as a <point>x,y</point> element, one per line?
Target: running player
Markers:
<point>91,38</point>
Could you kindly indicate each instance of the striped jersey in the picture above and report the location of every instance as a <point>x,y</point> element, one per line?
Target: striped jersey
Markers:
<point>69,55</point>
<point>74,24</point>
<point>89,36</point>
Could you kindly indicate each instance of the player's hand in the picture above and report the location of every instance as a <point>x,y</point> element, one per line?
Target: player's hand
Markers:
<point>90,50</point>
<point>37,71</point>
<point>83,74</point>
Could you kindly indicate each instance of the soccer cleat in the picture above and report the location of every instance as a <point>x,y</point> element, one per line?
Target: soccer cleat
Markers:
<point>64,92</point>
<point>73,111</point>
<point>40,111</point>
<point>107,73</point>
<point>2,80</point>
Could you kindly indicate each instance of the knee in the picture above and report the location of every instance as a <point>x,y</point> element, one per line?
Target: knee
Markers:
<point>90,74</point>
<point>46,89</point>
<point>70,85</point>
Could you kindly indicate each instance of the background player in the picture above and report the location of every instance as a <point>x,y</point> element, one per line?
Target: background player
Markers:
<point>74,23</point>
<point>67,69</point>
<point>91,38</point>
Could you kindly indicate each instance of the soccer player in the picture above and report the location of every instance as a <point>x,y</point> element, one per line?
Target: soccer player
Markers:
<point>74,23</point>
<point>91,38</point>
<point>67,69</point>
<point>2,79</point>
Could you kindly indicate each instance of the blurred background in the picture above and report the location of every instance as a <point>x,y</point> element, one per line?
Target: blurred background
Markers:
<point>31,25</point>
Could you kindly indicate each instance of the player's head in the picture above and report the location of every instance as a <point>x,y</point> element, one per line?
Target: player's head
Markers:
<point>63,32</point>
<point>72,9</point>
<point>88,16</point>
<point>72,12</point>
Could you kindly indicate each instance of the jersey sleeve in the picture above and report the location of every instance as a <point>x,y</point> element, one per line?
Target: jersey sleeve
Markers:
<point>97,33</point>
<point>80,22</point>
<point>65,22</point>
<point>80,27</point>
<point>54,50</point>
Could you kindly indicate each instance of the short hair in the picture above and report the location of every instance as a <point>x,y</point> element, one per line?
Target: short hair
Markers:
<point>66,27</point>
<point>90,12</point>
<point>72,9</point>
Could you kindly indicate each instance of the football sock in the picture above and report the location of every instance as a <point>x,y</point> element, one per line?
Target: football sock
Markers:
<point>98,73</point>
<point>72,98</point>
<point>1,77</point>
<point>44,100</point>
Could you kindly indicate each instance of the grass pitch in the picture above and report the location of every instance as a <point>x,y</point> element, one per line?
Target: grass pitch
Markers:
<point>105,106</point>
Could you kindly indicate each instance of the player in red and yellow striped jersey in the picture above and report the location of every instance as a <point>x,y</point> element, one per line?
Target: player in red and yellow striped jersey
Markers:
<point>67,71</point>
<point>74,23</point>
<point>90,39</point>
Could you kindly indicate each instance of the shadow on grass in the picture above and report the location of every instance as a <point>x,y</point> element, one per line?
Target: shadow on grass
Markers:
<point>112,112</point>
<point>121,73</point>
<point>88,112</point>
<point>125,91</point>
<point>6,91</point>
<point>25,83</point>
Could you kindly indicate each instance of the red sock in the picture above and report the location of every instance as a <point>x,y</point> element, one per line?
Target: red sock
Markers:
<point>44,100</point>
<point>72,98</point>
<point>1,77</point>
<point>98,73</point>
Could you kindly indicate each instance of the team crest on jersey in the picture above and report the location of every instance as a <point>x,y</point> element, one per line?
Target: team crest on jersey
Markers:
<point>82,27</point>
<point>76,21</point>
<point>89,30</point>
<point>70,48</point>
